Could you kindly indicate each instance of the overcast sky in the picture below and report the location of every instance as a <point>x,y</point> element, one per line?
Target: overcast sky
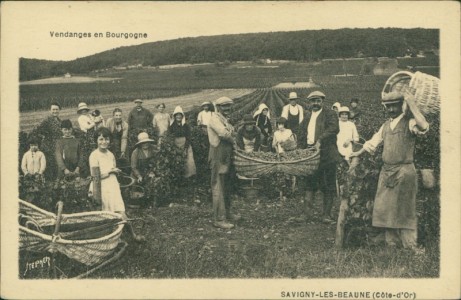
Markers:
<point>29,24</point>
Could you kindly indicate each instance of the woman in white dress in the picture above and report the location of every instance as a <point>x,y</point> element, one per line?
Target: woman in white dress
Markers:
<point>111,196</point>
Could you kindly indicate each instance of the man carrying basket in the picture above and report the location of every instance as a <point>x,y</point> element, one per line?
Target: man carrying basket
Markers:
<point>221,137</point>
<point>395,202</point>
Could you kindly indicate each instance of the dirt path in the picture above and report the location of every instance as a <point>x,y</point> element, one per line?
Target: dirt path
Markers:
<point>30,119</point>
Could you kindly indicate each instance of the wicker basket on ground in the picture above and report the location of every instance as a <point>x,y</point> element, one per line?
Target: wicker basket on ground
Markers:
<point>254,167</point>
<point>87,237</point>
<point>424,87</point>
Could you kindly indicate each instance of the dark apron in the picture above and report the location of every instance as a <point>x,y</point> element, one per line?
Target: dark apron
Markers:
<point>293,120</point>
<point>117,142</point>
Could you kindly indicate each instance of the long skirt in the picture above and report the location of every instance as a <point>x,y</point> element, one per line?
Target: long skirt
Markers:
<point>111,195</point>
<point>189,168</point>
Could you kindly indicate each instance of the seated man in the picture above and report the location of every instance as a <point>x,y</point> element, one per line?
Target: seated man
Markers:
<point>249,136</point>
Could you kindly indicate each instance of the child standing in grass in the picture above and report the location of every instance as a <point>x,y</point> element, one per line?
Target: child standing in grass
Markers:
<point>111,196</point>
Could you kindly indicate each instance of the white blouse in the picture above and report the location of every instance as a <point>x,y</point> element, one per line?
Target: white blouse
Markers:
<point>347,132</point>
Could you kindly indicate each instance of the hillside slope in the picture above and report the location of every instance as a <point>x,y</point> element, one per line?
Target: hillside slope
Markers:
<point>307,45</point>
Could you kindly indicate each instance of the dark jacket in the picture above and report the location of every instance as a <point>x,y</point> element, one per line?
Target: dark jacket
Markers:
<point>326,129</point>
<point>140,119</point>
<point>263,122</point>
<point>177,130</point>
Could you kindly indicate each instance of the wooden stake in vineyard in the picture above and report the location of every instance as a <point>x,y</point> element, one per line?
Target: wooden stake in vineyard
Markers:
<point>96,184</point>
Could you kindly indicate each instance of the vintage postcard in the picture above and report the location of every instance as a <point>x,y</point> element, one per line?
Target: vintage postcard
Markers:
<point>230,150</point>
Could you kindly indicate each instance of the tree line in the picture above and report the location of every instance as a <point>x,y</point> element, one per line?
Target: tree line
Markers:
<point>306,45</point>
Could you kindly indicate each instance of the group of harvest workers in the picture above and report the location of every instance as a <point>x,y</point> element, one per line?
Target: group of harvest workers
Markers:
<point>330,130</point>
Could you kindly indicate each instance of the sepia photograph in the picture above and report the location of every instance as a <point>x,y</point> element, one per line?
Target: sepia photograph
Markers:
<point>230,150</point>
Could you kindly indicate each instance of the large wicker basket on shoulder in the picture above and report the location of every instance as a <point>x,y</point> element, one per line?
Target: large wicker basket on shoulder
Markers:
<point>424,87</point>
<point>253,167</point>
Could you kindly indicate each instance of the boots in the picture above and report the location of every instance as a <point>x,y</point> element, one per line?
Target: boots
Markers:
<point>308,206</point>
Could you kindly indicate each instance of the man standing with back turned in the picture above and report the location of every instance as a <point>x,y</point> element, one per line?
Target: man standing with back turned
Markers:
<point>221,137</point>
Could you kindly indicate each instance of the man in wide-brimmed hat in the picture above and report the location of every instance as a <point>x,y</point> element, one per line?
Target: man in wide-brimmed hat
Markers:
<point>293,112</point>
<point>249,135</point>
<point>203,116</point>
<point>221,137</point>
<point>319,129</point>
<point>395,203</point>
<point>139,117</point>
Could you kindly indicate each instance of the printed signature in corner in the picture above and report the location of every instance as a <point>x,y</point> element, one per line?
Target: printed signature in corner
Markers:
<point>40,263</point>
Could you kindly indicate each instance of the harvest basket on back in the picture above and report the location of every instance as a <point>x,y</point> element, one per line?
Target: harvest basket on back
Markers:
<point>254,167</point>
<point>424,87</point>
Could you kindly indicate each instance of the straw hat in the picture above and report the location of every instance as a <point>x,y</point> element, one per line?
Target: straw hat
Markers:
<point>293,96</point>
<point>137,101</point>
<point>143,137</point>
<point>316,95</point>
<point>224,101</point>
<point>81,107</point>
<point>344,109</point>
<point>392,97</point>
<point>206,103</point>
<point>337,105</point>
<point>248,120</point>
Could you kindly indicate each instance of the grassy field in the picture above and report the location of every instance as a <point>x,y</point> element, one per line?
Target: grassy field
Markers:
<point>159,83</point>
<point>266,243</point>
<point>73,79</point>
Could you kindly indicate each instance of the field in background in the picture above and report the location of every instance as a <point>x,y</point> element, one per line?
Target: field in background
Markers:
<point>151,83</point>
<point>65,80</point>
<point>188,102</point>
